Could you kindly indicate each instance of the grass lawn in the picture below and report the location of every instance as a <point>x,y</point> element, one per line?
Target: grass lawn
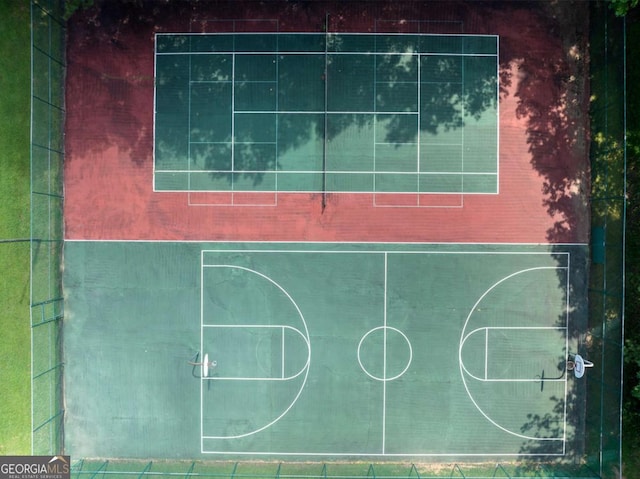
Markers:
<point>15,406</point>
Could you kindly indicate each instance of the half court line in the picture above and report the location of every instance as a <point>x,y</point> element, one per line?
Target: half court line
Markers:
<point>384,357</point>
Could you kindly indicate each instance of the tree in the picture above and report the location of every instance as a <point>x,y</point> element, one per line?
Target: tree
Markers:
<point>622,7</point>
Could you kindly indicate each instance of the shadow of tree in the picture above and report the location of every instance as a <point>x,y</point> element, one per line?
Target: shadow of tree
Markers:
<point>112,41</point>
<point>251,111</point>
<point>104,89</point>
<point>552,93</point>
<point>553,97</point>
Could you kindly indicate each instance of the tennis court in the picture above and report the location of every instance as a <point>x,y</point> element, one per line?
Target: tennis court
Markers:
<point>321,113</point>
<point>331,350</point>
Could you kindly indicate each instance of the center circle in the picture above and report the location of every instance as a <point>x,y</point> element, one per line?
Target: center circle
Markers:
<point>384,353</point>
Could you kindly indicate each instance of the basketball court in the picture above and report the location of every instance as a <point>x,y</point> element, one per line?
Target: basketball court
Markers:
<point>358,350</point>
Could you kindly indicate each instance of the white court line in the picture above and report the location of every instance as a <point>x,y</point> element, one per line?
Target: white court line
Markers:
<point>384,356</point>
<point>250,82</point>
<point>567,316</point>
<point>486,353</point>
<point>498,116</point>
<point>283,327</point>
<point>396,143</point>
<point>328,112</point>
<point>245,325</point>
<point>380,252</point>
<point>304,335</point>
<point>325,115</point>
<point>155,109</point>
<point>341,172</point>
<point>487,349</point>
<point>201,352</point>
<point>189,126</point>
<point>501,328</point>
<point>463,370</point>
<point>375,130</point>
<point>385,256</point>
<point>337,34</point>
<point>310,192</point>
<point>419,136</point>
<point>317,53</point>
<point>366,454</point>
<point>328,243</point>
<point>277,122</point>
<point>214,82</point>
<point>462,127</point>
<point>418,54</point>
<point>192,202</point>
<point>233,122</point>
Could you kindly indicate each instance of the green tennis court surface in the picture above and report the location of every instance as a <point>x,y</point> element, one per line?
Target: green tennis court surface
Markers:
<point>321,349</point>
<point>336,113</point>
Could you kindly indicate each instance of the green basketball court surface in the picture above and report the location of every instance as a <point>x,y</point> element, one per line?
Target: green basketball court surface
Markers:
<point>358,113</point>
<point>358,350</point>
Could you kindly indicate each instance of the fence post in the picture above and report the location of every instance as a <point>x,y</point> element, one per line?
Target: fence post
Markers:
<point>455,466</point>
<point>193,465</point>
<point>102,466</point>
<point>146,468</point>
<point>499,466</point>
<point>371,472</point>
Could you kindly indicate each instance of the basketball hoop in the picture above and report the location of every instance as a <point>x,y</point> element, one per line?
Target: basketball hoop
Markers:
<point>205,365</point>
<point>578,365</point>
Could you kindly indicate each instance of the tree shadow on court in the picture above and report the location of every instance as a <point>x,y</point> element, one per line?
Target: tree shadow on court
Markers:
<point>567,159</point>
<point>552,97</point>
<point>112,40</point>
<point>566,415</point>
<point>548,80</point>
<point>315,101</point>
<point>112,80</point>
<point>110,76</point>
<point>564,420</point>
<point>567,419</point>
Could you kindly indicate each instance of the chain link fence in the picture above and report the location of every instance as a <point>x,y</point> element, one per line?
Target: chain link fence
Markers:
<point>47,155</point>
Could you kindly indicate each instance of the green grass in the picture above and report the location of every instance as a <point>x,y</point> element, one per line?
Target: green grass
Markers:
<point>15,409</point>
<point>125,469</point>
